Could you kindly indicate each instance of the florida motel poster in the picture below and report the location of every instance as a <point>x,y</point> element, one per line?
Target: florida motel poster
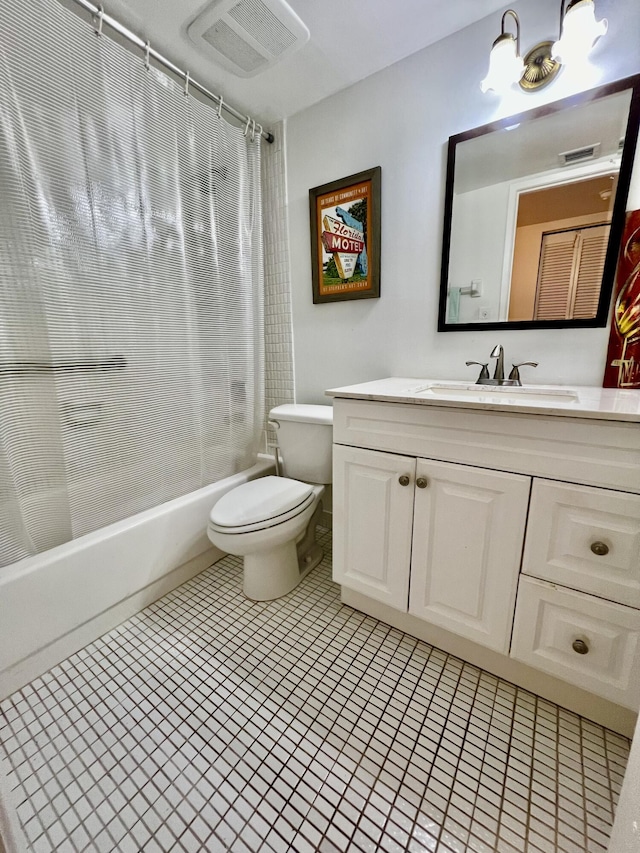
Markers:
<point>345,238</point>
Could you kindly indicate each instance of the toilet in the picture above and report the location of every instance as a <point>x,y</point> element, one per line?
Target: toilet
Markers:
<point>271,521</point>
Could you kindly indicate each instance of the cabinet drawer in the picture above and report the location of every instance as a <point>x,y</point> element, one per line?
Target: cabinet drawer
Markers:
<point>584,538</point>
<point>549,621</point>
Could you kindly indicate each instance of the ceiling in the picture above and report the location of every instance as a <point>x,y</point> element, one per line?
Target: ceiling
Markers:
<point>534,146</point>
<point>350,40</point>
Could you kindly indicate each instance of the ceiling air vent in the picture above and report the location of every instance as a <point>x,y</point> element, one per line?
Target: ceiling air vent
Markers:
<point>249,36</point>
<point>587,152</point>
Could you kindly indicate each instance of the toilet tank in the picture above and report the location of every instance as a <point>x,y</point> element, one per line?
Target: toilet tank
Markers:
<point>305,438</point>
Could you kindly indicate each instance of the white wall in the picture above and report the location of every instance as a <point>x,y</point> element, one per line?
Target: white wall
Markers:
<point>401,119</point>
<point>472,259</point>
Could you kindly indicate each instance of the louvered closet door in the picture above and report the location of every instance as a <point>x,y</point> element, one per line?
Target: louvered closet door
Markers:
<point>570,273</point>
<point>589,274</point>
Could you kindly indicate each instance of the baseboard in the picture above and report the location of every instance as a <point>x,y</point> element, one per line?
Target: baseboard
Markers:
<point>44,659</point>
<point>588,705</point>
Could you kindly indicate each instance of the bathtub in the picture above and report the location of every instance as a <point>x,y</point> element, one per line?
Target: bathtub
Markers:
<point>56,602</point>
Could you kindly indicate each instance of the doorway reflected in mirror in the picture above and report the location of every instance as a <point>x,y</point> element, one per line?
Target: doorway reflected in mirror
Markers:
<point>559,250</point>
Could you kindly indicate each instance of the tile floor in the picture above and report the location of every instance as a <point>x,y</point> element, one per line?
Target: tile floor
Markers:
<point>211,723</point>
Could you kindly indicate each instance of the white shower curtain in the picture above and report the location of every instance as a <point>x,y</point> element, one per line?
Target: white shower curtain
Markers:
<point>131,327</point>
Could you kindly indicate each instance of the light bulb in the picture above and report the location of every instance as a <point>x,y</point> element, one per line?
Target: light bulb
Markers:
<point>580,31</point>
<point>505,66</point>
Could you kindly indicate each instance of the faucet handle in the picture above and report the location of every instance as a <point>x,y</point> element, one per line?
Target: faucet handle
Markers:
<point>514,376</point>
<point>484,373</point>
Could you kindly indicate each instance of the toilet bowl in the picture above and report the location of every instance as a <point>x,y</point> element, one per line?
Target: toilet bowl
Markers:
<point>263,521</point>
<point>271,522</point>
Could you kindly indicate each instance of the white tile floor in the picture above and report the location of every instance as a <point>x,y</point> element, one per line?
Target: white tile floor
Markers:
<point>211,723</point>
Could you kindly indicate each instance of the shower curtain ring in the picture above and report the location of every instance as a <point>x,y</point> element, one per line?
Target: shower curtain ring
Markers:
<point>220,107</point>
<point>260,131</point>
<point>186,85</point>
<point>253,130</point>
<point>246,127</point>
<point>147,52</point>
<point>100,20</point>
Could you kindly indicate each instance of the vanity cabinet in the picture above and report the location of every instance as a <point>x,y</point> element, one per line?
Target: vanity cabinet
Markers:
<point>439,540</point>
<point>518,532</point>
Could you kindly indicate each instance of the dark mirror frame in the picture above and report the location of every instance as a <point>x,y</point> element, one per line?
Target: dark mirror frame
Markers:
<point>617,218</point>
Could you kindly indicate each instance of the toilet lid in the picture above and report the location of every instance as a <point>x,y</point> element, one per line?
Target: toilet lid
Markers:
<point>259,501</point>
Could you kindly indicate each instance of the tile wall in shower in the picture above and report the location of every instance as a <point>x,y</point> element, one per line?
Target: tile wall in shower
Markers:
<point>279,386</point>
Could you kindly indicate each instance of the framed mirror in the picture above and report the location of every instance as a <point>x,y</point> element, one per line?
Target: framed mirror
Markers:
<point>534,212</point>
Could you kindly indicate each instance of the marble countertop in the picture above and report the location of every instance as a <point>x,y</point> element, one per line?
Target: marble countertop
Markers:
<point>578,401</point>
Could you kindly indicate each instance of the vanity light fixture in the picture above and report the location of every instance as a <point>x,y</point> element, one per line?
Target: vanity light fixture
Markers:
<point>505,63</point>
<point>579,31</point>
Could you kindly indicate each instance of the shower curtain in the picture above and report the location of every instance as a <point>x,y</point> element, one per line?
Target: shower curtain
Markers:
<point>131,312</point>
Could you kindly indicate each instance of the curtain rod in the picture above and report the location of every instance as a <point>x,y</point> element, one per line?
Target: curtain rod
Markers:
<point>103,18</point>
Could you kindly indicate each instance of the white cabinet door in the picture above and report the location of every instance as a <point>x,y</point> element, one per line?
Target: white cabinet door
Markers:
<point>372,514</point>
<point>580,638</point>
<point>467,543</point>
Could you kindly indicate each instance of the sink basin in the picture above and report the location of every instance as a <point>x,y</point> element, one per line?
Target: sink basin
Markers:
<point>501,394</point>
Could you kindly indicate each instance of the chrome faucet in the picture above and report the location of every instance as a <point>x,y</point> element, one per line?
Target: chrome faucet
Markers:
<point>498,375</point>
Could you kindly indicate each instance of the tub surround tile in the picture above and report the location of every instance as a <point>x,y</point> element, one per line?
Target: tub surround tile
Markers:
<point>210,722</point>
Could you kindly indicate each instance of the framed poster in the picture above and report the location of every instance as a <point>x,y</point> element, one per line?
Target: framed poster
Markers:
<point>345,238</point>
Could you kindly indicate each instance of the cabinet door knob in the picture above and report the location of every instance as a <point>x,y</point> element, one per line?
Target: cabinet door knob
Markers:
<point>599,548</point>
<point>403,480</point>
<point>422,482</point>
<point>580,646</point>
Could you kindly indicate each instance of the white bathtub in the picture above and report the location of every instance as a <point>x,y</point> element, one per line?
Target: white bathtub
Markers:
<point>55,603</point>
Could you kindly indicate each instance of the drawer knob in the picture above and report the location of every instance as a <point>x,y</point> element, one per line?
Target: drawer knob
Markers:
<point>580,646</point>
<point>403,480</point>
<point>422,482</point>
<point>600,548</point>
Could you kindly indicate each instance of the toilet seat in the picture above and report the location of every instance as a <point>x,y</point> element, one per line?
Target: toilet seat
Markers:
<point>260,504</point>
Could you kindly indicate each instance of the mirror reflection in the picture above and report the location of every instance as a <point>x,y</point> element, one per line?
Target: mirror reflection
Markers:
<point>559,250</point>
<point>530,206</point>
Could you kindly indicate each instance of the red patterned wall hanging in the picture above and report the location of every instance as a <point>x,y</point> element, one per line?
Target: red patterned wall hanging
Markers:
<point>623,357</point>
